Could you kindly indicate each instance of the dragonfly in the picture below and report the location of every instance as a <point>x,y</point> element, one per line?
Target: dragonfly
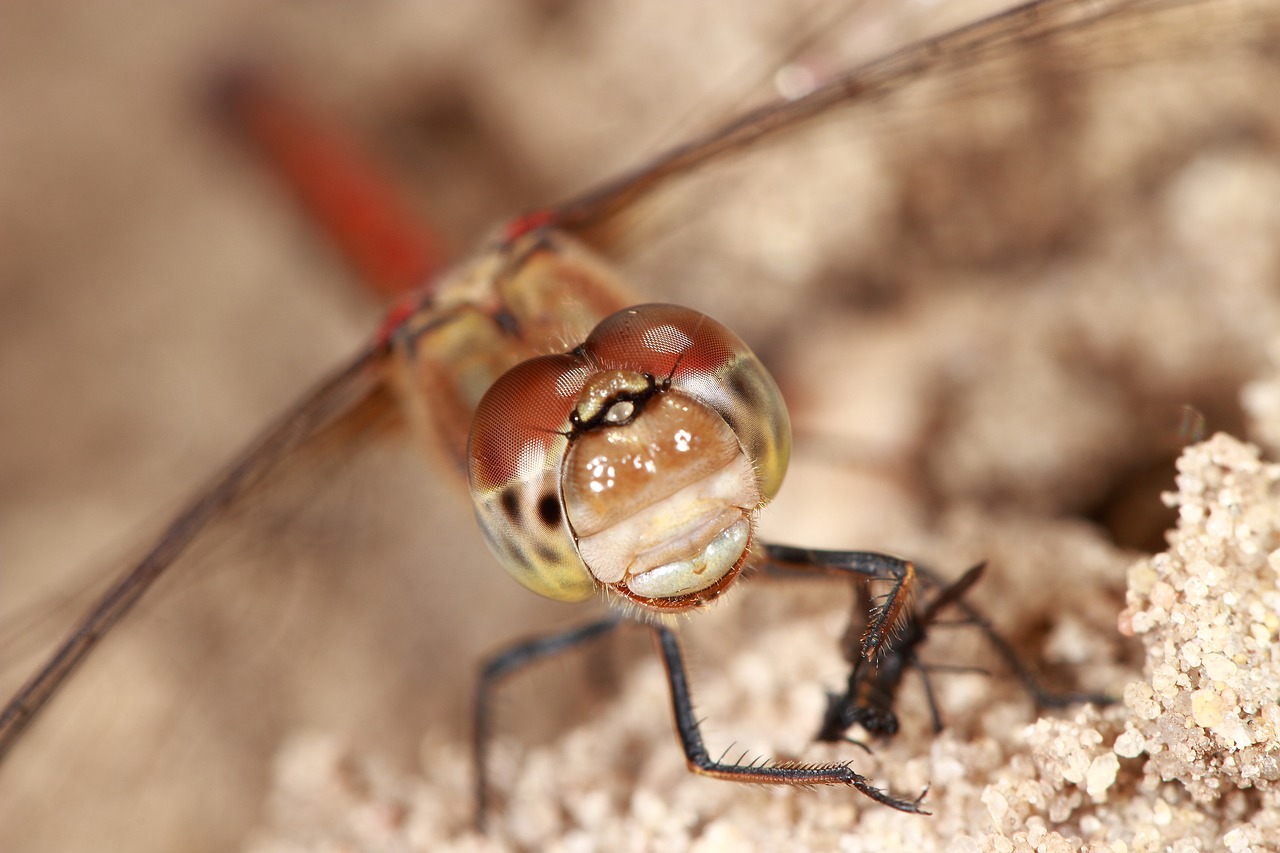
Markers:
<point>924,66</point>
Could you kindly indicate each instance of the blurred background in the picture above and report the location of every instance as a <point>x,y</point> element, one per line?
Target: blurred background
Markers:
<point>1003,298</point>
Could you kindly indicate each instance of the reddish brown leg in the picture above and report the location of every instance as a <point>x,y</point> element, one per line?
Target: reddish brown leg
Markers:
<point>768,773</point>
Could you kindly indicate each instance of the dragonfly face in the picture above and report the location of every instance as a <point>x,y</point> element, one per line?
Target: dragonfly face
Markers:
<point>916,187</point>
<point>635,462</point>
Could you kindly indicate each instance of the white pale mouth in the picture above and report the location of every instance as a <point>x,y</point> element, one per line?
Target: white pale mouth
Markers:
<point>682,543</point>
<point>698,572</point>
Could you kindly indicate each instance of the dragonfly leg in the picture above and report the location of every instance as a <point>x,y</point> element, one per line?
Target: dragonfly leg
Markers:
<point>770,773</point>
<point>867,701</point>
<point>871,691</point>
<point>887,616</point>
<point>503,664</point>
<point>1043,696</point>
<point>935,715</point>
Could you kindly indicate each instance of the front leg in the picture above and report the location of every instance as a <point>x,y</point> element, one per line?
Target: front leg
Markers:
<point>887,616</point>
<point>770,773</point>
<point>499,666</point>
<point>872,692</point>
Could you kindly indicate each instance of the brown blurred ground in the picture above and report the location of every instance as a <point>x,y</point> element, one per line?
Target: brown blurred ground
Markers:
<point>993,312</point>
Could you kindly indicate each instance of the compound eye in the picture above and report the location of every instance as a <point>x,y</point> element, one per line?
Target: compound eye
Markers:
<point>636,461</point>
<point>519,438</point>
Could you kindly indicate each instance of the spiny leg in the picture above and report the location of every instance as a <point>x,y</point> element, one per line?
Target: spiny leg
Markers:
<point>786,773</point>
<point>886,617</point>
<point>503,664</point>
<point>871,691</point>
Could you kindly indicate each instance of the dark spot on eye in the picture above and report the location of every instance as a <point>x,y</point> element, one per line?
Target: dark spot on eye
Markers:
<point>547,554</point>
<point>516,553</point>
<point>549,510</point>
<point>742,386</point>
<point>511,504</point>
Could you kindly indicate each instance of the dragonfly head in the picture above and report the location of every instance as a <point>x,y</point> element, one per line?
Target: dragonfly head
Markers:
<point>635,463</point>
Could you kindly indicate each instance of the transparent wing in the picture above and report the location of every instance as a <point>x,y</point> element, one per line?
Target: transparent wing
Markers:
<point>345,403</point>
<point>979,58</point>
<point>286,608</point>
<point>909,269</point>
